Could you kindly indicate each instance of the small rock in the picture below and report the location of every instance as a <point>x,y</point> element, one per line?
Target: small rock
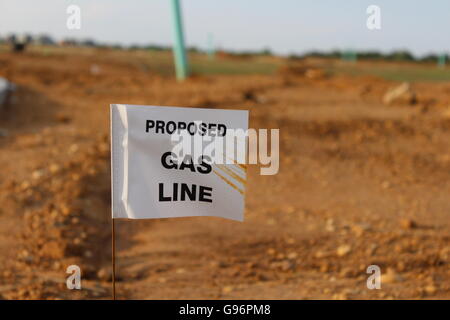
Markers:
<point>431,289</point>
<point>37,174</point>
<point>73,149</point>
<point>25,185</point>
<point>360,229</point>
<point>407,224</point>
<point>287,265</point>
<point>104,274</point>
<point>343,250</point>
<point>320,254</point>
<point>391,277</point>
<point>54,168</point>
<point>227,289</point>
<point>401,94</point>
<point>401,266</point>
<point>292,255</point>
<point>324,267</point>
<point>329,225</point>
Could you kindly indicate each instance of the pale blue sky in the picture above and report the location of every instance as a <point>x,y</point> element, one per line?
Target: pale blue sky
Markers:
<point>286,26</point>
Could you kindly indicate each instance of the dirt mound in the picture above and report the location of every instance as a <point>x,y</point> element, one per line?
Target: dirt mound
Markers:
<point>66,222</point>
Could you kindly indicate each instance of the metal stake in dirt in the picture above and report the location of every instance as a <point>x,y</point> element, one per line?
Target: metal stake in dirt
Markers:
<point>179,50</point>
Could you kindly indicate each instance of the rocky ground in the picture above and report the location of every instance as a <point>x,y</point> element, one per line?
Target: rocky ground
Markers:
<point>364,179</point>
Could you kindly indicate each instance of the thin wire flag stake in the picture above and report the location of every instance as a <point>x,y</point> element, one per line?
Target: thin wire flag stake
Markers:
<point>113,258</point>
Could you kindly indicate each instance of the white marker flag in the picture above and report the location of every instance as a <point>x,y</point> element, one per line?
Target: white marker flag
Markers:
<point>154,177</point>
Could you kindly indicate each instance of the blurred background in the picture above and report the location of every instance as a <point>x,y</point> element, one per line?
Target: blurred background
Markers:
<point>361,97</point>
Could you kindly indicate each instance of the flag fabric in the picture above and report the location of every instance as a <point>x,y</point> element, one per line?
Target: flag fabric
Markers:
<point>164,162</point>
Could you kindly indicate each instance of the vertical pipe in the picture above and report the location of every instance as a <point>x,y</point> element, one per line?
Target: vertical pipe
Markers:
<point>211,50</point>
<point>179,50</point>
<point>441,60</point>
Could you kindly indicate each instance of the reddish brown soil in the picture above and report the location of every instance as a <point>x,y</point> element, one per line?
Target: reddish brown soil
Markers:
<point>360,183</point>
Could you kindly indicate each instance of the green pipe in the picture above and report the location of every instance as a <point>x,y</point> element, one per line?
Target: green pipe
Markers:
<point>179,50</point>
<point>441,60</point>
<point>211,50</point>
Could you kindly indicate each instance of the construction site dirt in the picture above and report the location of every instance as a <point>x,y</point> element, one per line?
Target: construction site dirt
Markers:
<point>364,180</point>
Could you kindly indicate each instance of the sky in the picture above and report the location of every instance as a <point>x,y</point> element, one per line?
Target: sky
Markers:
<point>284,26</point>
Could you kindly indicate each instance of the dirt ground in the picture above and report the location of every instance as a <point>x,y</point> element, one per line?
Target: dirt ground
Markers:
<point>361,182</point>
